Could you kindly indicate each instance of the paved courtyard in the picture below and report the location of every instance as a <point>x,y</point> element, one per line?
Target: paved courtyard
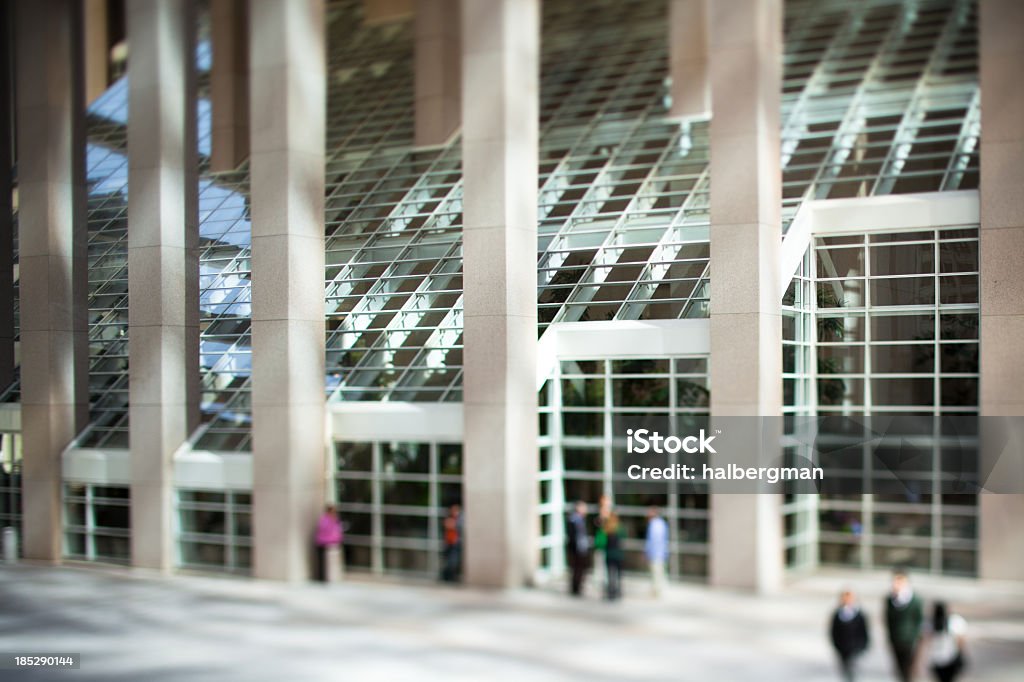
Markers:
<point>137,626</point>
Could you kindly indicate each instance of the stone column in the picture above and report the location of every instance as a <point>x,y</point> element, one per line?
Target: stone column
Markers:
<point>288,89</point>
<point>438,71</point>
<point>229,84</point>
<point>500,73</point>
<point>53,263</point>
<point>746,234</point>
<point>97,49</point>
<point>1002,280</point>
<point>163,270</point>
<point>688,58</point>
<point>6,208</point>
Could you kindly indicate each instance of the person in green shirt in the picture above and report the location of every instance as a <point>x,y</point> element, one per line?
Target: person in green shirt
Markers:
<point>904,616</point>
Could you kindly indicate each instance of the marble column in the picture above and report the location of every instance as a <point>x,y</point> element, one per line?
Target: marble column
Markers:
<point>438,71</point>
<point>6,197</point>
<point>688,58</point>
<point>163,269</point>
<point>229,84</point>
<point>1001,554</point>
<point>500,73</point>
<point>52,258</point>
<point>288,90</point>
<point>746,235</point>
<point>97,48</point>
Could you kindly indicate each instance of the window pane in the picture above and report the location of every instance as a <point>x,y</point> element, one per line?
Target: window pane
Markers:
<point>840,359</point>
<point>355,490</point>
<point>692,393</point>
<point>409,493</point>
<point>203,553</point>
<point>960,392</point>
<point>584,459</point>
<point>903,391</point>
<point>355,457</point>
<point>449,459</point>
<point>583,392</point>
<point>405,458</point>
<point>958,256</point>
<point>582,423</point>
<point>640,367</point>
<point>406,526</point>
<point>913,358</point>
<point>840,329</point>
<point>199,521</point>
<point>959,289</point>
<point>903,327</point>
<point>903,291</point>
<point>110,516</point>
<point>640,392</point>
<point>841,262</point>
<point>905,259</point>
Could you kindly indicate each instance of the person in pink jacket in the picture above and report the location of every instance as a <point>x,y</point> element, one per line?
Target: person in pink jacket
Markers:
<point>329,533</point>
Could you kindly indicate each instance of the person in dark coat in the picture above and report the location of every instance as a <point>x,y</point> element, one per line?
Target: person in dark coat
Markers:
<point>946,644</point>
<point>904,617</point>
<point>849,633</point>
<point>577,547</point>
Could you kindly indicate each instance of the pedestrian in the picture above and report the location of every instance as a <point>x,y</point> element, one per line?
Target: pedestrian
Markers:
<point>451,559</point>
<point>329,535</point>
<point>613,556</point>
<point>849,632</point>
<point>946,644</point>
<point>904,617</point>
<point>577,547</point>
<point>604,509</point>
<point>656,549</point>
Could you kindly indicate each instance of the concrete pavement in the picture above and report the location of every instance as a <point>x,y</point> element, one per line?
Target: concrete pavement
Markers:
<point>131,625</point>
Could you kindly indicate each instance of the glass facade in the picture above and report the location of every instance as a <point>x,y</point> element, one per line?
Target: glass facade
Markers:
<point>799,511</point>
<point>97,522</point>
<point>879,97</point>
<point>10,482</point>
<point>214,530</point>
<point>392,498</point>
<point>581,459</point>
<point>895,332</point>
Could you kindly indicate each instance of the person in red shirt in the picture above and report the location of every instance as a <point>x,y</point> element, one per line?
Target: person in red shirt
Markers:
<point>451,561</point>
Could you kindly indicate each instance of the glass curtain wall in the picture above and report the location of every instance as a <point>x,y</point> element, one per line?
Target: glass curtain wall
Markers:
<point>896,333</point>
<point>214,530</point>
<point>392,499</point>
<point>10,483</point>
<point>581,458</point>
<point>800,511</point>
<point>97,522</point>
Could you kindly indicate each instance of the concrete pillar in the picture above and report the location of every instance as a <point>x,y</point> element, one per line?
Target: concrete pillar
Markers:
<point>438,71</point>
<point>288,55</point>
<point>6,192</point>
<point>688,58</point>
<point>229,84</point>
<point>746,234</point>
<point>53,263</point>
<point>500,73</point>
<point>1002,280</point>
<point>97,49</point>
<point>163,269</point>
<point>387,11</point>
